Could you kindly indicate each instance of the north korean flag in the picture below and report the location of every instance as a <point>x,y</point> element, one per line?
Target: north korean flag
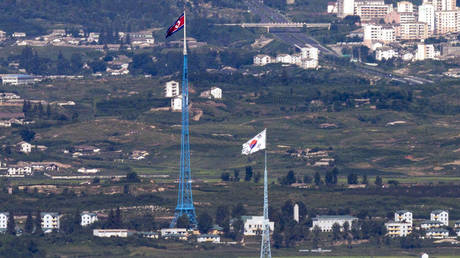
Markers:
<point>177,26</point>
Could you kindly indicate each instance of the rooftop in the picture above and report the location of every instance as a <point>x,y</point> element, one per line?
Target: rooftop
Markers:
<point>437,230</point>
<point>334,217</point>
<point>438,211</point>
<point>401,211</point>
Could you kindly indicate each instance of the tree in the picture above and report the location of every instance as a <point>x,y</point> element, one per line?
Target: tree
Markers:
<point>238,226</point>
<point>236,175</point>
<point>204,222</point>
<point>111,220</point>
<point>287,210</point>
<point>277,239</point>
<point>336,231</point>
<point>183,221</point>
<point>76,222</point>
<point>335,174</point>
<point>225,176</point>
<point>307,179</point>
<point>364,180</point>
<point>96,180</point>
<point>257,177</point>
<point>316,236</point>
<point>132,177</point>
<point>29,225</point>
<point>222,214</point>
<point>118,221</point>
<point>289,179</point>
<point>318,181</point>
<point>38,224</point>
<point>352,179</point>
<point>27,135</point>
<point>378,181</point>
<point>249,173</point>
<point>329,178</point>
<point>346,226</point>
<point>11,227</point>
<point>238,210</point>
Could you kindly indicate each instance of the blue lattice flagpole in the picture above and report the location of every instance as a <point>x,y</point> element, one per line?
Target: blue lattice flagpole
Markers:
<point>184,195</point>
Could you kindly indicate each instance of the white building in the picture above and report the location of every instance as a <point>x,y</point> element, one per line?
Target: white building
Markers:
<point>88,218</point>
<point>426,15</point>
<point>403,216</point>
<point>172,89</point>
<point>173,232</point>
<point>206,238</point>
<point>50,221</point>
<point>253,225</point>
<point>443,5</point>
<point>176,103</point>
<point>457,224</point>
<point>296,59</point>
<point>309,52</point>
<point>425,52</point>
<point>405,7</point>
<point>332,7</point>
<point>372,10</point>
<point>262,60</point>
<point>309,63</point>
<point>4,216</point>
<point>93,37</point>
<point>428,224</point>
<point>2,35</point>
<point>25,147</point>
<point>325,222</point>
<point>398,229</point>
<point>437,233</point>
<point>447,21</point>
<point>284,58</point>
<point>373,32</point>
<point>385,54</point>
<point>457,231</point>
<point>413,31</point>
<point>441,216</point>
<point>112,232</point>
<point>19,35</point>
<point>345,8</point>
<point>17,79</point>
<point>213,93</point>
<point>19,171</point>
<point>88,170</point>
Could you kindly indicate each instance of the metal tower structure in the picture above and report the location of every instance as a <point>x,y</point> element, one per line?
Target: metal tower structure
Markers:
<point>184,195</point>
<point>265,245</point>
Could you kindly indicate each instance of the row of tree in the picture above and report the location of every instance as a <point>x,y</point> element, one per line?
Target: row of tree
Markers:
<point>249,175</point>
<point>330,178</point>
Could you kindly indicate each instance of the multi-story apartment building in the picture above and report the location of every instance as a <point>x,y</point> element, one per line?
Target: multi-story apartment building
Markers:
<point>442,5</point>
<point>50,221</point>
<point>88,218</point>
<point>426,15</point>
<point>171,89</point>
<point>373,11</point>
<point>403,216</point>
<point>405,7</point>
<point>380,33</point>
<point>4,216</point>
<point>345,8</point>
<point>447,21</point>
<point>398,229</point>
<point>441,216</point>
<point>424,52</point>
<point>412,31</point>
